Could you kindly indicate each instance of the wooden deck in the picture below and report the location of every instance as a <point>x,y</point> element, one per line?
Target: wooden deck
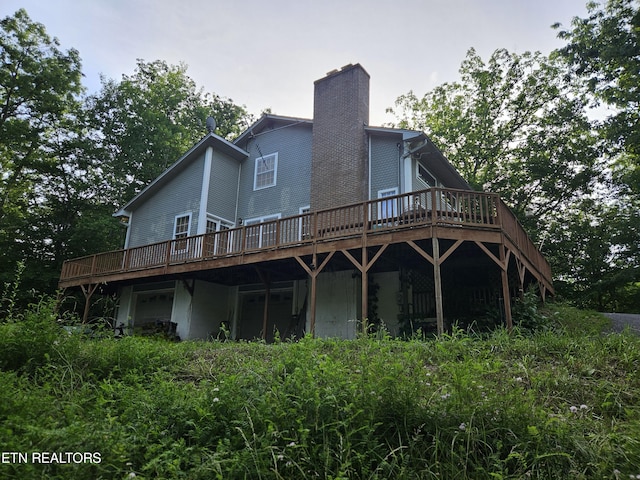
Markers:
<point>311,239</point>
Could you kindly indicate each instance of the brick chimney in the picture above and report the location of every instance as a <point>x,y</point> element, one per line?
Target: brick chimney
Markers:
<point>339,167</point>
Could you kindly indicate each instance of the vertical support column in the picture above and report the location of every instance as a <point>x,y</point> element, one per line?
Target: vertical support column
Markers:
<point>267,294</point>
<point>437,280</point>
<point>313,272</point>
<point>506,295</point>
<point>364,284</point>
<point>314,275</point>
<point>88,292</point>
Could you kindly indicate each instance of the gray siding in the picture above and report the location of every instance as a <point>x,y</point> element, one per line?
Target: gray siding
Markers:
<point>153,221</point>
<point>293,145</point>
<point>223,187</point>
<point>385,164</point>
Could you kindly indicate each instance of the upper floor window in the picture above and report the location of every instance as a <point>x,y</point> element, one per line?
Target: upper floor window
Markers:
<point>181,229</point>
<point>425,176</point>
<point>266,171</point>
<point>181,226</point>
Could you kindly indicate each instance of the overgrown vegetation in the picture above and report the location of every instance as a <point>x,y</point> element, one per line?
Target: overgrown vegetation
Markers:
<point>562,402</point>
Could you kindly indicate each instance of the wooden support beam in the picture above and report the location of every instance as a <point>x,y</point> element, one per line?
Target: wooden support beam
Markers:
<point>506,295</point>
<point>88,291</point>
<point>424,254</point>
<point>451,249</point>
<point>267,294</point>
<point>364,267</point>
<point>522,270</point>
<point>437,280</point>
<point>364,290</point>
<point>313,271</point>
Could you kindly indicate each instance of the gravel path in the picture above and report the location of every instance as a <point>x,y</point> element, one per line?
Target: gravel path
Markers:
<point>621,320</point>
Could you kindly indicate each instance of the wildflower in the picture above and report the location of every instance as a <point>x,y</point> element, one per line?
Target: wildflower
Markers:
<point>216,389</point>
<point>216,399</point>
<point>583,407</point>
<point>573,409</point>
<point>291,444</point>
<point>280,457</point>
<point>518,379</point>
<point>445,396</point>
<point>463,426</point>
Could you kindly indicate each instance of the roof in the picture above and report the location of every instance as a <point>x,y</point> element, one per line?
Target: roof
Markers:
<point>210,140</point>
<point>272,122</point>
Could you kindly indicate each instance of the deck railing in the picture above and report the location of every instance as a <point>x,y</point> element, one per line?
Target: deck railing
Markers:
<point>435,206</point>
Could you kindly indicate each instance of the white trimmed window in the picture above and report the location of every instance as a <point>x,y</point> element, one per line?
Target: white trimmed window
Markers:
<point>181,226</point>
<point>221,243</point>
<point>261,231</point>
<point>388,208</point>
<point>266,171</point>
<point>181,229</point>
<point>425,176</point>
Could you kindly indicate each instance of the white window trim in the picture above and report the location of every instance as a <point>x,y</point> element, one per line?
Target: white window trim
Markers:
<point>259,220</point>
<point>420,164</point>
<point>221,244</point>
<point>302,233</point>
<point>275,171</point>
<point>387,192</point>
<point>219,221</point>
<point>175,225</point>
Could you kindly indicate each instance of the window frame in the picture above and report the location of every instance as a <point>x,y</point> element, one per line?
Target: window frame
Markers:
<point>261,161</point>
<point>180,239</point>
<point>261,237</point>
<point>387,209</point>
<point>419,165</point>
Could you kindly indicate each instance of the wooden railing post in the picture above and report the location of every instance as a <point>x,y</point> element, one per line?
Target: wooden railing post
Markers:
<point>94,263</point>
<point>168,255</point>
<point>434,211</point>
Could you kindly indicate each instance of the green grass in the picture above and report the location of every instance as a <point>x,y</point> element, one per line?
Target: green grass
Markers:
<point>560,403</point>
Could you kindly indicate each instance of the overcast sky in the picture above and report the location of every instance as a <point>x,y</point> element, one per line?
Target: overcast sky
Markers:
<point>267,53</point>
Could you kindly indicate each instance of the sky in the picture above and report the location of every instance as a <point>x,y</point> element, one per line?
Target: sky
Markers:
<point>267,53</point>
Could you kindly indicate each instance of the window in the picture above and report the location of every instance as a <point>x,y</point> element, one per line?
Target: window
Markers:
<point>261,232</point>
<point>304,227</point>
<point>221,242</point>
<point>266,171</point>
<point>388,208</point>
<point>424,175</point>
<point>181,228</point>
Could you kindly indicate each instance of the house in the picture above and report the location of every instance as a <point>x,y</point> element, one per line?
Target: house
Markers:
<point>312,225</point>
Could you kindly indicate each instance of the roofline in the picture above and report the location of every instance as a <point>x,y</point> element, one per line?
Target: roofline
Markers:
<point>211,139</point>
<point>255,128</point>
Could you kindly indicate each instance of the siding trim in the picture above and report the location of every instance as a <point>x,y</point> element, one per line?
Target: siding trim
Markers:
<point>204,193</point>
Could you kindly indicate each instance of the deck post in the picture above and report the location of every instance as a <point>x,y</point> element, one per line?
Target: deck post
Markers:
<point>88,291</point>
<point>364,283</point>
<point>364,292</point>
<point>267,293</point>
<point>505,288</point>
<point>437,281</point>
<point>314,282</point>
<point>313,271</point>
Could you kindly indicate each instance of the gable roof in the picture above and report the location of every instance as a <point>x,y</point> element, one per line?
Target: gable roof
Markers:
<point>272,122</point>
<point>210,140</point>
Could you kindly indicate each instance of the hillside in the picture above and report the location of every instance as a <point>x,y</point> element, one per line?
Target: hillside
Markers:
<point>559,403</point>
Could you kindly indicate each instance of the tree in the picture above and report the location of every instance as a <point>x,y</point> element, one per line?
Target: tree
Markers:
<point>604,51</point>
<point>514,126</point>
<point>39,97</point>
<point>148,120</point>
